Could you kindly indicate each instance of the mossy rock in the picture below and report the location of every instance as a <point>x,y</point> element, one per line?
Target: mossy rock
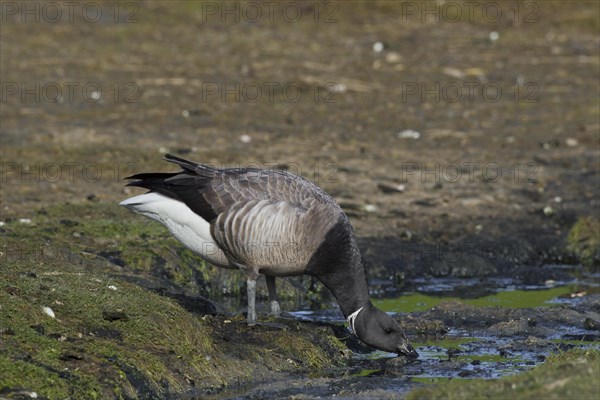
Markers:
<point>107,337</point>
<point>584,241</point>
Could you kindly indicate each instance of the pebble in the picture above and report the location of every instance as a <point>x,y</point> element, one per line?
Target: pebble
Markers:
<point>494,36</point>
<point>112,287</point>
<point>408,134</point>
<point>548,211</point>
<point>245,138</point>
<point>370,208</point>
<point>185,113</point>
<point>571,142</point>
<point>391,187</point>
<point>378,47</point>
<point>48,311</point>
<point>25,220</point>
<point>392,57</point>
<point>117,315</point>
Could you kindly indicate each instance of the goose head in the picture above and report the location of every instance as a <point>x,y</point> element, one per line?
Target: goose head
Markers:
<point>379,330</point>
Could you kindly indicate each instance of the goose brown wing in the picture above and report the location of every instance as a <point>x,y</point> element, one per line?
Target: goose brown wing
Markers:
<point>210,192</point>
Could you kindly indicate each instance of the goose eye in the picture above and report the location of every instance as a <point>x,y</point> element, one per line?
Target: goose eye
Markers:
<point>388,330</point>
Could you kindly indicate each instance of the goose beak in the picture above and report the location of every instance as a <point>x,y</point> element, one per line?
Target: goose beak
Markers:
<point>407,350</point>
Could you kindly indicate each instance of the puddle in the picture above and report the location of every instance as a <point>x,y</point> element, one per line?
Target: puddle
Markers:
<point>465,352</point>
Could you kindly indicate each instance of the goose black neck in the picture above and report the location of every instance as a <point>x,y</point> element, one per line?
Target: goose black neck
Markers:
<point>337,264</point>
<point>349,286</point>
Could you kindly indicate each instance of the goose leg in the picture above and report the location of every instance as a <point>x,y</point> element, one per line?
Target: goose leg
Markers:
<point>275,309</point>
<point>251,283</point>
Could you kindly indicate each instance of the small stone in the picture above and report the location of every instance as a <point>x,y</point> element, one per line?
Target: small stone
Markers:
<point>494,36</point>
<point>558,199</point>
<point>7,331</point>
<point>591,325</point>
<point>406,234</point>
<point>25,220</point>
<point>185,113</point>
<point>571,142</point>
<point>71,356</point>
<point>95,95</point>
<point>39,328</point>
<point>117,315</point>
<point>12,290</point>
<point>476,362</point>
<point>338,88</point>
<point>392,57</point>
<point>112,287</point>
<point>408,134</point>
<point>370,208</point>
<point>48,311</point>
<point>245,138</point>
<point>391,187</point>
<point>548,211</point>
<point>378,47</point>
<point>163,150</point>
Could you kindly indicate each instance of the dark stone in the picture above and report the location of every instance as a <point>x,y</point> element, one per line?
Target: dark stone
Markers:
<point>71,356</point>
<point>68,223</point>
<point>390,188</point>
<point>591,325</point>
<point>108,333</point>
<point>14,291</point>
<point>7,331</point>
<point>113,256</point>
<point>39,329</point>
<point>476,362</point>
<point>114,316</point>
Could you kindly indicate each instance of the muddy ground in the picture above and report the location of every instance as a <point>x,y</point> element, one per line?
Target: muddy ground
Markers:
<point>461,147</point>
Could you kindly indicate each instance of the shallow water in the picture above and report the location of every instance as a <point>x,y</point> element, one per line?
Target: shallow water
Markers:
<point>460,354</point>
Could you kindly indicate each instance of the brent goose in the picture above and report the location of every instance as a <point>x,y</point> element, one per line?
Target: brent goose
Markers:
<point>272,223</point>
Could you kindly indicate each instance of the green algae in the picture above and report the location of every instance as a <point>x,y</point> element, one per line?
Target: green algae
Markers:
<point>511,299</point>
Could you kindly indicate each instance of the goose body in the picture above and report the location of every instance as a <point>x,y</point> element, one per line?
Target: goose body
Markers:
<point>272,223</point>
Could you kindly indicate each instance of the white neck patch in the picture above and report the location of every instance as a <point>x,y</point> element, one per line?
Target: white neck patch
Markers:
<point>351,318</point>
